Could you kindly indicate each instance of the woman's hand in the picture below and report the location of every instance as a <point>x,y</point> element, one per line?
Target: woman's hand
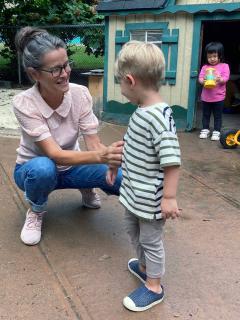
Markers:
<point>111,175</point>
<point>112,154</point>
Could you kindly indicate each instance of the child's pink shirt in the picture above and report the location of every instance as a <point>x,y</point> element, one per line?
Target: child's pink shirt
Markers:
<point>74,117</point>
<point>219,92</point>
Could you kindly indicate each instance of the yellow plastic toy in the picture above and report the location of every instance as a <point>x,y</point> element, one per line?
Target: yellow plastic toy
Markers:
<point>210,81</point>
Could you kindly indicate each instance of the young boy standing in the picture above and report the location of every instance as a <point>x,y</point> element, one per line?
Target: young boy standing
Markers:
<point>150,165</point>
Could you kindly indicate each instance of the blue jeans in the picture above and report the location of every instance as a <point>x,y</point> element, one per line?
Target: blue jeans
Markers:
<point>39,177</point>
<point>212,107</point>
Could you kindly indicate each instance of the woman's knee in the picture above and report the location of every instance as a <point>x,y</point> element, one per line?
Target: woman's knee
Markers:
<point>42,168</point>
<point>36,172</point>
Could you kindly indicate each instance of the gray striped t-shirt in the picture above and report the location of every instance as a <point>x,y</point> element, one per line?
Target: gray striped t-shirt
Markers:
<point>150,145</point>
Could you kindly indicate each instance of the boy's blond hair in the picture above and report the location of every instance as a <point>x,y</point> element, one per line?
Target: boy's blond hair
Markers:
<point>144,61</point>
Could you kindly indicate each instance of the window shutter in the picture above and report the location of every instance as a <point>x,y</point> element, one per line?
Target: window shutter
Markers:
<point>170,50</point>
<point>120,39</point>
<point>169,46</point>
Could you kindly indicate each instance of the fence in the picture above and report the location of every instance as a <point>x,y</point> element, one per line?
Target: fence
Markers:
<point>78,38</point>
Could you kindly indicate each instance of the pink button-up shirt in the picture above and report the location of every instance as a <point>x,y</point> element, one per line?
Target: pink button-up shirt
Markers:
<point>65,124</point>
<point>219,92</point>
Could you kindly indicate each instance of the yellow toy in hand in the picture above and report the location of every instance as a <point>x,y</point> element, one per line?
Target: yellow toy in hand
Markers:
<point>210,79</point>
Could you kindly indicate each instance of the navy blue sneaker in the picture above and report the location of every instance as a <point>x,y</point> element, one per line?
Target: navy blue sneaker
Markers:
<point>133,267</point>
<point>142,299</point>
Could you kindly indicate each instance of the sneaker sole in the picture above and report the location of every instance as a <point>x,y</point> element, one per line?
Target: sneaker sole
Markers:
<point>204,137</point>
<point>133,272</point>
<point>127,302</point>
<point>29,243</point>
<point>90,207</point>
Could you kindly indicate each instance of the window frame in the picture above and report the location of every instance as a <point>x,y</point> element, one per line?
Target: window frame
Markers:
<point>145,33</point>
<point>170,43</point>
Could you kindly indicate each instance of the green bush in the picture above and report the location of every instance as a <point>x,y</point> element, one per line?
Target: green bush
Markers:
<point>3,61</point>
<point>84,61</point>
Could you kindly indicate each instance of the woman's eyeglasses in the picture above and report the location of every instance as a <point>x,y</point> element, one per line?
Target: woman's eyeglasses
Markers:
<point>57,71</point>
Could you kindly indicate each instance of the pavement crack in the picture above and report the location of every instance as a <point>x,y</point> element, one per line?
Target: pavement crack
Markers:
<point>227,198</point>
<point>13,189</point>
<point>60,279</point>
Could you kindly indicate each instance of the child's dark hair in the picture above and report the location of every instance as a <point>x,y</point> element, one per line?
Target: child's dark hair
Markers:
<point>214,47</point>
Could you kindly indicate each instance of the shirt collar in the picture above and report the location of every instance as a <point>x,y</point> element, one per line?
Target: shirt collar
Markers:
<point>47,111</point>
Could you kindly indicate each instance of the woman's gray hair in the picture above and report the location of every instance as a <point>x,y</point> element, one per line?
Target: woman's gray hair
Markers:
<point>33,44</point>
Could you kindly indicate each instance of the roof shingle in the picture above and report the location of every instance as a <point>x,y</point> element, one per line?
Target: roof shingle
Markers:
<point>115,5</point>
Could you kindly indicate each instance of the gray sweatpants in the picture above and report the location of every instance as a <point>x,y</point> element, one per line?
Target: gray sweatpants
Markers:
<point>147,238</point>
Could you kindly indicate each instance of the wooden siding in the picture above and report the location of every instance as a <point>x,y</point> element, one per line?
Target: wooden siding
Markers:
<point>172,94</point>
<point>186,2</point>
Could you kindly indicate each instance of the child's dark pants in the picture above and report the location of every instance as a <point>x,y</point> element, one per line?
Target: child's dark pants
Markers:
<point>212,107</point>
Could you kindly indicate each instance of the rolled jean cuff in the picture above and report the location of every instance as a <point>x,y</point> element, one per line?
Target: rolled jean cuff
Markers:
<point>36,207</point>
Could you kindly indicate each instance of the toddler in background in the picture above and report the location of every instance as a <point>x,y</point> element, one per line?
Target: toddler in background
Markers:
<point>213,98</point>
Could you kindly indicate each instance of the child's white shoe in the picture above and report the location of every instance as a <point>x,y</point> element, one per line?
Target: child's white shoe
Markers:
<point>215,136</point>
<point>204,134</point>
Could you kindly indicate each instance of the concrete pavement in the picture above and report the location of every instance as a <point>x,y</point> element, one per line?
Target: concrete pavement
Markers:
<point>79,270</point>
<point>8,122</point>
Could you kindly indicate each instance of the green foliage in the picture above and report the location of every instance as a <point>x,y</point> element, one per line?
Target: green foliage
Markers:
<point>85,61</point>
<point>44,12</point>
<point>19,13</point>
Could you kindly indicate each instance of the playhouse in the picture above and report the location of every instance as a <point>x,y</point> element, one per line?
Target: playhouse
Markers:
<point>181,28</point>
